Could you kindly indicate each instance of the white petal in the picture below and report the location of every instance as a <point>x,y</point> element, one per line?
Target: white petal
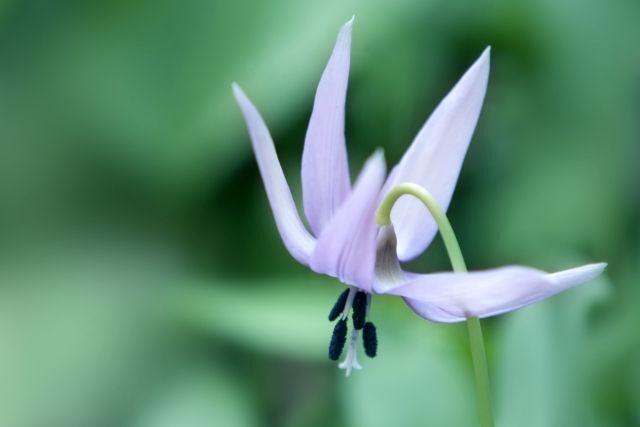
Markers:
<point>294,235</point>
<point>435,158</point>
<point>346,249</point>
<point>325,170</point>
<point>453,297</point>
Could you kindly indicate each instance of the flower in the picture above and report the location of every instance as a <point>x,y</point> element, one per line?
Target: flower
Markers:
<point>345,241</point>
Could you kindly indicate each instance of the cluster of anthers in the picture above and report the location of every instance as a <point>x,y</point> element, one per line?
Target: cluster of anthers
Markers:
<point>359,303</point>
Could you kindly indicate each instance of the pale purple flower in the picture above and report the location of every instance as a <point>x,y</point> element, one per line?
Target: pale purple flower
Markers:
<point>345,241</point>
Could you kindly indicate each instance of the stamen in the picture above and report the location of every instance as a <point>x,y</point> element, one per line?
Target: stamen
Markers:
<point>338,307</point>
<point>338,339</point>
<point>351,361</point>
<point>359,310</point>
<point>370,339</point>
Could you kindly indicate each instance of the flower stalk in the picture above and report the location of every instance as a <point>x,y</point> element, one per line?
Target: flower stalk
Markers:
<point>476,341</point>
<point>383,216</point>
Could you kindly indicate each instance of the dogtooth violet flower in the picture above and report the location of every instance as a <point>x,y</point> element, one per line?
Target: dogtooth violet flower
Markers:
<point>345,240</point>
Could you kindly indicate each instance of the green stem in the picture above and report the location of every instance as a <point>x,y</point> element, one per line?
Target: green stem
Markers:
<point>383,216</point>
<point>478,355</point>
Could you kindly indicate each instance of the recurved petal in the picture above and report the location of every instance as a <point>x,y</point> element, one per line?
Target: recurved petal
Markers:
<point>325,170</point>
<point>435,157</point>
<point>453,297</point>
<point>294,235</point>
<point>346,249</point>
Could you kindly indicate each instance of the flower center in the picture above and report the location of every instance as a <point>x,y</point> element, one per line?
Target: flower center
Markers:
<point>359,303</point>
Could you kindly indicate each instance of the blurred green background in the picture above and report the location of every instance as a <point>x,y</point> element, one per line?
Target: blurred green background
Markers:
<point>142,279</point>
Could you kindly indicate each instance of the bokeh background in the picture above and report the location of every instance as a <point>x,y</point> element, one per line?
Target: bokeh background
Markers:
<point>142,279</point>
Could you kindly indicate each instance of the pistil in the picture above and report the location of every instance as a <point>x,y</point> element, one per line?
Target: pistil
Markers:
<point>351,360</point>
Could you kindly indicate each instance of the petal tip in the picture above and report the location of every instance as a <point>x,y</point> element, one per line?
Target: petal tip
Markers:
<point>350,21</point>
<point>600,266</point>
<point>347,27</point>
<point>379,152</point>
<point>238,93</point>
<point>481,66</point>
<point>377,159</point>
<point>484,60</point>
<point>578,275</point>
<point>596,268</point>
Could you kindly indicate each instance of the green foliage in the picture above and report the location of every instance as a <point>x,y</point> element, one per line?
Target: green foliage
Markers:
<point>142,282</point>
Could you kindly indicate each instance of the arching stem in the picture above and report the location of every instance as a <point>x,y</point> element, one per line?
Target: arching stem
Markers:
<point>476,341</point>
